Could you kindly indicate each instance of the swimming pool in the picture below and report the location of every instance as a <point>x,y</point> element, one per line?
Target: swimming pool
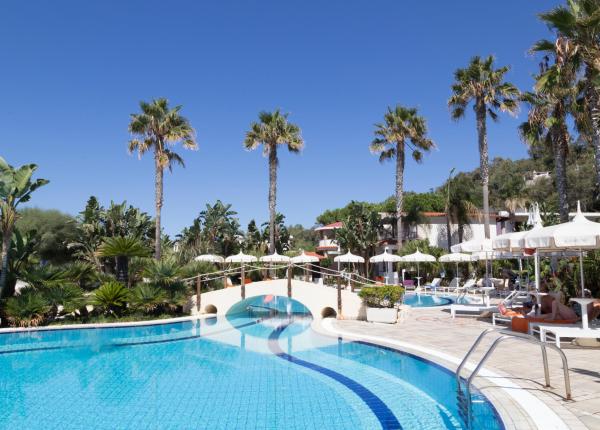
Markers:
<point>428,300</point>
<point>234,372</point>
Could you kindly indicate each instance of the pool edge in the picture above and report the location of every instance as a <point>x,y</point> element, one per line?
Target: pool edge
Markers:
<point>538,411</point>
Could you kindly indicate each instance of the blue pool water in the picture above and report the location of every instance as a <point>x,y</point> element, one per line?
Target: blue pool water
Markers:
<point>428,300</point>
<point>235,372</point>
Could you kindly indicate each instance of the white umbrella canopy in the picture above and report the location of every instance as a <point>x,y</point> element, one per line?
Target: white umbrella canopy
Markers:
<point>455,257</point>
<point>303,259</point>
<point>241,258</point>
<point>385,257</point>
<point>348,257</point>
<point>418,257</point>
<point>580,233</point>
<point>275,258</point>
<point>474,245</point>
<point>210,258</point>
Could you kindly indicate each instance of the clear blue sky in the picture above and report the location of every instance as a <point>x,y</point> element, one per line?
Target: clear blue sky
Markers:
<point>73,71</point>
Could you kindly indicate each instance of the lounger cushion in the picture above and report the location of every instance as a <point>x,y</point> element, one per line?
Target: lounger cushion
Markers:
<point>521,323</point>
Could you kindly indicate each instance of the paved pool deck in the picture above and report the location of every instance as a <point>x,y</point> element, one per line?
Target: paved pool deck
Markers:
<point>432,333</point>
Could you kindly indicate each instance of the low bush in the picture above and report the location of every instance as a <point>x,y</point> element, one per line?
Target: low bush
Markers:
<point>385,296</point>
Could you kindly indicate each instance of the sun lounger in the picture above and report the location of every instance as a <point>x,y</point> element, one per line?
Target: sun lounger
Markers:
<point>435,284</point>
<point>452,286</point>
<point>471,309</point>
<point>559,331</point>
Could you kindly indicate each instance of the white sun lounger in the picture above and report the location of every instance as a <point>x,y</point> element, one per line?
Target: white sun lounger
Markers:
<point>452,286</point>
<point>562,331</point>
<point>435,284</point>
<point>470,309</point>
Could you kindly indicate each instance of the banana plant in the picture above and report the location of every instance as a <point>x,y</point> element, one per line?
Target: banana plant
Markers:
<point>16,187</point>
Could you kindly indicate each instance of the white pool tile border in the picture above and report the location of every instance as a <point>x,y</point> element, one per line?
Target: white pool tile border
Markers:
<point>539,412</point>
<point>104,325</point>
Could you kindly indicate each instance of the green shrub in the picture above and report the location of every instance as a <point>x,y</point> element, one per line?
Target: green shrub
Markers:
<point>27,309</point>
<point>68,296</point>
<point>385,296</point>
<point>111,297</point>
<point>147,297</point>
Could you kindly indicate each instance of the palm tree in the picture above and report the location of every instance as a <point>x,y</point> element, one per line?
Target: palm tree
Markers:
<point>483,84</point>
<point>402,128</point>
<point>158,128</point>
<point>122,248</point>
<point>16,187</point>
<point>272,130</point>
<point>579,22</point>
<point>550,103</point>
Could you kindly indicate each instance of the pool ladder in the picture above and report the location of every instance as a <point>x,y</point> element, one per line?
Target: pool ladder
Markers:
<point>464,397</point>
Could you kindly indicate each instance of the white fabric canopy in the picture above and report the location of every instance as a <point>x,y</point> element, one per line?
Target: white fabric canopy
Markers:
<point>455,257</point>
<point>474,245</point>
<point>580,233</point>
<point>385,257</point>
<point>241,258</point>
<point>211,258</point>
<point>348,257</point>
<point>275,258</point>
<point>303,259</point>
<point>418,257</point>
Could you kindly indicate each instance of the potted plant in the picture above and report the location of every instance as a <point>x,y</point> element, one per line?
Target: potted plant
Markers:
<point>381,302</point>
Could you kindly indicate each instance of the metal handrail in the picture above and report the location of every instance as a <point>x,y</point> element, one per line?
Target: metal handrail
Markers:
<point>471,350</point>
<point>525,338</point>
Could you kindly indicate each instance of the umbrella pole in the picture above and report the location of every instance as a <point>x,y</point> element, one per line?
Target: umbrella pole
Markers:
<point>537,270</point>
<point>581,272</point>
<point>418,275</point>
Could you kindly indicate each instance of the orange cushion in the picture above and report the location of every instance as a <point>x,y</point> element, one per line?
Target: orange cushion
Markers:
<point>522,324</point>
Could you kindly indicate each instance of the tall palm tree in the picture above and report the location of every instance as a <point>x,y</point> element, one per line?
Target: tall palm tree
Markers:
<point>158,128</point>
<point>401,128</point>
<point>16,187</point>
<point>579,22</point>
<point>272,130</point>
<point>550,104</point>
<point>483,85</point>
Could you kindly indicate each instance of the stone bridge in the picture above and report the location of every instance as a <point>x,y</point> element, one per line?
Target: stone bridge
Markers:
<point>322,301</point>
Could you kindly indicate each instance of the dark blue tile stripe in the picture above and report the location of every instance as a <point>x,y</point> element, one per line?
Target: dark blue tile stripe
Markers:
<point>386,417</point>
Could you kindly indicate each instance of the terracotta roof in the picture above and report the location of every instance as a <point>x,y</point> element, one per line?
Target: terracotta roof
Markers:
<point>325,248</point>
<point>332,226</point>
<point>314,254</point>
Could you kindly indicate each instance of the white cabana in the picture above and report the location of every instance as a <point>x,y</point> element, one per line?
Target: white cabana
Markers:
<point>579,233</point>
<point>275,258</point>
<point>514,243</point>
<point>418,257</point>
<point>455,257</point>
<point>210,258</point>
<point>241,258</point>
<point>476,246</point>
<point>348,257</point>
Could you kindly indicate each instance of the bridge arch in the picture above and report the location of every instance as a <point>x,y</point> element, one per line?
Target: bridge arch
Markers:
<point>319,299</point>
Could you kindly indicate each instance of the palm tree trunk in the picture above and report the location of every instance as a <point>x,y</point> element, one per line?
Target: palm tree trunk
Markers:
<point>158,182</point>
<point>399,191</point>
<point>561,142</point>
<point>6,239</point>
<point>448,232</point>
<point>272,195</point>
<point>483,163</point>
<point>595,121</point>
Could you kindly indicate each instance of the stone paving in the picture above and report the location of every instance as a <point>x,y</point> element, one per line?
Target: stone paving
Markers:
<point>519,361</point>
